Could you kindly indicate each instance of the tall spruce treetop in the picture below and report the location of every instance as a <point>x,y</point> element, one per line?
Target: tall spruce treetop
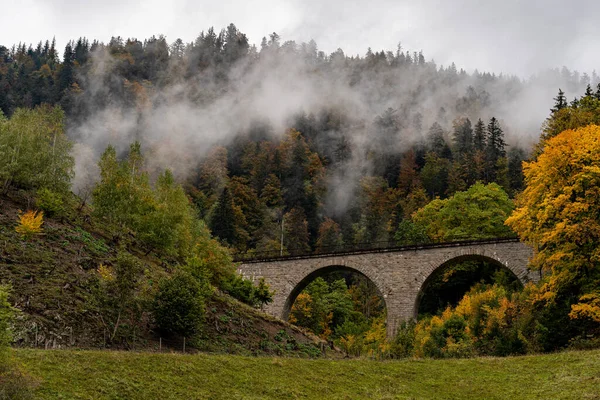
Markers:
<point>222,222</point>
<point>479,136</point>
<point>560,101</point>
<point>463,136</point>
<point>588,91</point>
<point>436,142</point>
<point>495,143</point>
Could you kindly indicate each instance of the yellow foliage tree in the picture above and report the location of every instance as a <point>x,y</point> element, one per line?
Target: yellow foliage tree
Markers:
<point>559,214</point>
<point>30,223</point>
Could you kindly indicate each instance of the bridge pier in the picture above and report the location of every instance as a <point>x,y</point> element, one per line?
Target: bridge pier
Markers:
<point>400,274</point>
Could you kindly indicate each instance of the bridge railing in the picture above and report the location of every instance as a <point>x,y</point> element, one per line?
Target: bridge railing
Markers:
<point>360,248</point>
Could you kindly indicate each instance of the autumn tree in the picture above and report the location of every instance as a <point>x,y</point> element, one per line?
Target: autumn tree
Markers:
<point>557,213</point>
<point>330,236</point>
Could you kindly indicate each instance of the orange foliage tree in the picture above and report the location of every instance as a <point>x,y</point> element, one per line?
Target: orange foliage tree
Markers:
<point>559,214</point>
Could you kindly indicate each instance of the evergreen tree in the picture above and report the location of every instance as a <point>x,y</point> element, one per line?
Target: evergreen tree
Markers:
<point>296,236</point>
<point>223,219</point>
<point>479,139</point>
<point>463,137</point>
<point>516,156</point>
<point>560,101</point>
<point>65,78</point>
<point>494,149</point>
<point>436,142</point>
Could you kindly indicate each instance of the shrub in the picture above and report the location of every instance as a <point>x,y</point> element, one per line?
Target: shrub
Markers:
<point>30,223</point>
<point>49,201</point>
<point>246,292</point>
<point>179,304</point>
<point>403,343</point>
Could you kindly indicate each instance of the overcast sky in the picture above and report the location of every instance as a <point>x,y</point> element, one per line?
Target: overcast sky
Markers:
<point>510,36</point>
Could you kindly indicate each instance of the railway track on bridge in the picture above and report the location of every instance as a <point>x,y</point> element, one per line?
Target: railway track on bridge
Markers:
<point>272,256</point>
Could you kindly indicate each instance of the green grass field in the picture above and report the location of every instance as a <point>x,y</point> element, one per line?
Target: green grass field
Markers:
<point>128,375</point>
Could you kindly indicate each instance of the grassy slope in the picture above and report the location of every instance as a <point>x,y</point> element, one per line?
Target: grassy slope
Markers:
<point>122,375</point>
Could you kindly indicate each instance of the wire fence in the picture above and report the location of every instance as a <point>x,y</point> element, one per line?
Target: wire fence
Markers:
<point>358,248</point>
<point>145,343</point>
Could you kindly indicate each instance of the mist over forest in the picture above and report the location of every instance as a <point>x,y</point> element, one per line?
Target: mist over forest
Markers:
<point>199,107</point>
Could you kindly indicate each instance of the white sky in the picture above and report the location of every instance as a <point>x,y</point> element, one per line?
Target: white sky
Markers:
<point>510,36</point>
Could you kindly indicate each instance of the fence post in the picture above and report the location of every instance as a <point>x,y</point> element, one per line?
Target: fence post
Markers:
<point>160,344</point>
<point>184,344</point>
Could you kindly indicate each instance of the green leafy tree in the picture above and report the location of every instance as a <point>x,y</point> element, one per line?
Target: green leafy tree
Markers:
<point>410,233</point>
<point>477,213</point>
<point>166,225</point>
<point>123,195</point>
<point>34,150</point>
<point>116,301</point>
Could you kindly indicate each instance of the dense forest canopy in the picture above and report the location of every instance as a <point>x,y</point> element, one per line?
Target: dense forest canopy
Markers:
<point>374,137</point>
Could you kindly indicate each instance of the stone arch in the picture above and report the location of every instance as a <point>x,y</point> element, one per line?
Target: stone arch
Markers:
<point>519,271</point>
<point>320,271</point>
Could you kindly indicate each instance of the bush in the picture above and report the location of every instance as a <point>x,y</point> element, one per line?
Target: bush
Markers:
<point>30,223</point>
<point>244,290</point>
<point>179,304</point>
<point>404,342</point>
<point>49,201</point>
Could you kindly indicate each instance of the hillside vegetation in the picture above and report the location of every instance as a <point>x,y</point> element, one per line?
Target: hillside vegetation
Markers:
<point>54,278</point>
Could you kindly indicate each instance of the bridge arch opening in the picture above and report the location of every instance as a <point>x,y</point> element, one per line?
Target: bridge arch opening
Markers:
<point>332,273</point>
<point>451,280</point>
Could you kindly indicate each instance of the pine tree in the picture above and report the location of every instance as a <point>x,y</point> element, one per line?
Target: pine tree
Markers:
<point>494,149</point>
<point>463,137</point>
<point>479,135</point>
<point>560,101</point>
<point>436,142</point>
<point>222,222</point>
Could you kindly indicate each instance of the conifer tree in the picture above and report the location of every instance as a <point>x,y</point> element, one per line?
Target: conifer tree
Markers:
<point>560,101</point>
<point>222,222</point>
<point>494,149</point>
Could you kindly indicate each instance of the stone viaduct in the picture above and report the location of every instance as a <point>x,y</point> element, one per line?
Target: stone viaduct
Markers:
<point>400,274</point>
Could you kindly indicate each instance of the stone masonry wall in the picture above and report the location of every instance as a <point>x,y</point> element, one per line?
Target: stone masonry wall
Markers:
<point>400,276</point>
